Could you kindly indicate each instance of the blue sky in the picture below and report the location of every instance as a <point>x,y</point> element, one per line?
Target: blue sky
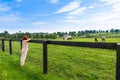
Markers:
<point>58,15</point>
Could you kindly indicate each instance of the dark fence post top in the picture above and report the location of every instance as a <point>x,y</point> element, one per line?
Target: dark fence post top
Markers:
<point>45,41</point>
<point>10,40</point>
<point>3,39</point>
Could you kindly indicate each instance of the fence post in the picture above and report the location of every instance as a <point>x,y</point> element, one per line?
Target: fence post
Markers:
<point>45,62</point>
<point>10,46</point>
<point>118,62</point>
<point>20,44</point>
<point>3,45</point>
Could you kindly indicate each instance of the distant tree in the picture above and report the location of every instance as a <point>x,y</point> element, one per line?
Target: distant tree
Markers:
<point>112,30</point>
<point>41,35</point>
<point>107,31</point>
<point>5,34</point>
<point>117,30</point>
<point>95,31</point>
<point>73,33</point>
<point>79,33</point>
<point>53,36</point>
<point>61,34</point>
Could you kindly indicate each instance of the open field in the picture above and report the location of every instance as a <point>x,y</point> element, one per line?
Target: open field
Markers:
<point>64,63</point>
<point>107,40</point>
<point>99,40</point>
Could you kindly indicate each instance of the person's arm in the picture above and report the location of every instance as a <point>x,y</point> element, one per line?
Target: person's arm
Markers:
<point>28,39</point>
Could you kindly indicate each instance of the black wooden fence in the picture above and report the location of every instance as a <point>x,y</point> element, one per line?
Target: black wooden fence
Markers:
<point>115,46</point>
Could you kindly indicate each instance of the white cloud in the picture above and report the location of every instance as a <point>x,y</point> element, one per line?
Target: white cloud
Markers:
<point>116,7</point>
<point>74,21</point>
<point>70,17</point>
<point>8,18</point>
<point>108,2</point>
<point>19,0</point>
<point>91,7</point>
<point>98,18</point>
<point>4,8</point>
<point>114,3</point>
<point>115,10</point>
<point>104,18</point>
<point>78,11</point>
<point>38,23</point>
<point>74,16</point>
<point>53,1</point>
<point>69,7</point>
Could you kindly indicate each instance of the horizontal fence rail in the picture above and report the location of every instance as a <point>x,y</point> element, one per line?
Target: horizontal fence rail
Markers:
<point>115,46</point>
<point>85,44</point>
<point>79,44</point>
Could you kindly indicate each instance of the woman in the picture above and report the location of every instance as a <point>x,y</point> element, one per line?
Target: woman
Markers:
<point>24,50</point>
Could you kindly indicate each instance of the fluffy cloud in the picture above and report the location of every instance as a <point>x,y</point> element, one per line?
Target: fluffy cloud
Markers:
<point>114,3</point>
<point>19,0</point>
<point>69,7</point>
<point>9,18</point>
<point>4,8</point>
<point>111,1</point>
<point>38,23</point>
<point>77,11</point>
<point>53,1</point>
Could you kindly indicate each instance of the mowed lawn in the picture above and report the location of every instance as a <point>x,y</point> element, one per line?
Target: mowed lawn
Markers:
<point>64,63</point>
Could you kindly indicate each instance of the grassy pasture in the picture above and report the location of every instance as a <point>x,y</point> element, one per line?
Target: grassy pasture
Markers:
<point>107,40</point>
<point>64,63</point>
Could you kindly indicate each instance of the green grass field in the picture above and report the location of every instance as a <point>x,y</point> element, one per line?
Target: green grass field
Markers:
<point>64,63</point>
<point>107,40</point>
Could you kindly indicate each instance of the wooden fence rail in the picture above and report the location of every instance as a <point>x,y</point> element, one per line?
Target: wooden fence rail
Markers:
<point>85,44</point>
<point>115,46</point>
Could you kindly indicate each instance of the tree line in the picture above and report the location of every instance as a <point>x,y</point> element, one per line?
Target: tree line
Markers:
<point>42,35</point>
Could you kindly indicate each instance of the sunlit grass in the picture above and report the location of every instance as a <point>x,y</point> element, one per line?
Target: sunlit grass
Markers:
<point>64,63</point>
<point>107,40</point>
